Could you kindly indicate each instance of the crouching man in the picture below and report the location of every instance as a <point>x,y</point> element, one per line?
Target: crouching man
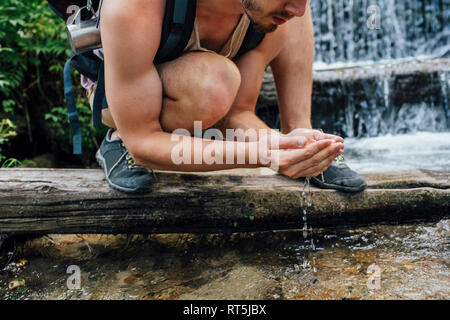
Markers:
<point>212,82</point>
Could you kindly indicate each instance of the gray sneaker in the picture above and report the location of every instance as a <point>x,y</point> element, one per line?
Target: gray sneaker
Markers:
<point>340,177</point>
<point>121,172</point>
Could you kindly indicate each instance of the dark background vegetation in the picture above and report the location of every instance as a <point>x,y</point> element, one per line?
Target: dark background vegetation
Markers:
<point>33,116</point>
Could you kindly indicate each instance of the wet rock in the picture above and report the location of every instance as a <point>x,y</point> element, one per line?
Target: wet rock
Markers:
<point>242,282</point>
<point>74,247</point>
<point>443,229</point>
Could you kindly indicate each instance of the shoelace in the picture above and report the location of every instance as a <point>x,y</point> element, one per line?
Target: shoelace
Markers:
<point>131,164</point>
<point>339,160</point>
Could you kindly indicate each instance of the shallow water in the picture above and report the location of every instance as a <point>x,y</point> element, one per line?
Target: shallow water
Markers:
<point>422,150</point>
<point>410,262</point>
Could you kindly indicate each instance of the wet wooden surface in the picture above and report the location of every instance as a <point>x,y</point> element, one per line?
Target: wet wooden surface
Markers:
<point>37,201</point>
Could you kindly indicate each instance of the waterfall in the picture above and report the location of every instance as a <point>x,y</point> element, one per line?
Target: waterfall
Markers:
<point>381,67</point>
<point>408,28</point>
<point>397,98</point>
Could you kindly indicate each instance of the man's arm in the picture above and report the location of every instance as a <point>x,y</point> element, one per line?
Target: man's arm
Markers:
<point>292,70</point>
<point>242,113</point>
<point>131,35</point>
<point>252,67</point>
<point>290,53</point>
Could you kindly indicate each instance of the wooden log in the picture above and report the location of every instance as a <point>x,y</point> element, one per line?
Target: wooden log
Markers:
<point>38,201</point>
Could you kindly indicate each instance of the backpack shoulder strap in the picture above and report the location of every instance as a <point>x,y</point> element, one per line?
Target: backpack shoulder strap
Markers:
<point>252,39</point>
<point>177,27</point>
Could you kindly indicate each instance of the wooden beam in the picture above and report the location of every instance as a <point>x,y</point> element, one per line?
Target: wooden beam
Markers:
<point>38,201</point>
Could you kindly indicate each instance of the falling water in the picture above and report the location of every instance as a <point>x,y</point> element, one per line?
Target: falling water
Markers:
<point>445,87</point>
<point>401,97</point>
<point>407,29</point>
<point>307,203</point>
<point>390,79</point>
<point>404,96</point>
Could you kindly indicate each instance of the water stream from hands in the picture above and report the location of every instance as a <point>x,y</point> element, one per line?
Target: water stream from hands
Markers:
<point>306,203</point>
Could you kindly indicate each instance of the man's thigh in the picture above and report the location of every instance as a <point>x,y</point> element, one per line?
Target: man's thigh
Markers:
<point>198,86</point>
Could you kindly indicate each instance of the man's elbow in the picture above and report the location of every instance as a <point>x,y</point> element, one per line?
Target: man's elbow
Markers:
<point>145,154</point>
<point>139,155</point>
<point>140,159</point>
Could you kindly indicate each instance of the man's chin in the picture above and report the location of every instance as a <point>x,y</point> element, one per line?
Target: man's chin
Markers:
<point>261,27</point>
<point>265,28</point>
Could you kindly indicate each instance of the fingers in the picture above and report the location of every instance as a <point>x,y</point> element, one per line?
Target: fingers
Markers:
<point>300,155</point>
<point>314,135</point>
<point>330,137</point>
<point>319,162</point>
<point>289,142</point>
<point>315,158</point>
<point>318,169</point>
<point>281,141</point>
<point>302,131</point>
<point>286,159</point>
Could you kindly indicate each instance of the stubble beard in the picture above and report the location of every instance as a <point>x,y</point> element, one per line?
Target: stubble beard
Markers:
<point>252,10</point>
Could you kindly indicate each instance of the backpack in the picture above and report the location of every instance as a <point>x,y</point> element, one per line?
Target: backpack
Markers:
<point>177,27</point>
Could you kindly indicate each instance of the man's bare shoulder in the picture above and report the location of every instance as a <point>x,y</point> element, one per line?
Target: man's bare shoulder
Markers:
<point>134,12</point>
<point>273,42</point>
<point>131,33</point>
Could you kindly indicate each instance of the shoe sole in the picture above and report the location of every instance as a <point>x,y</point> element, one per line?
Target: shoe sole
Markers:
<point>317,182</point>
<point>101,161</point>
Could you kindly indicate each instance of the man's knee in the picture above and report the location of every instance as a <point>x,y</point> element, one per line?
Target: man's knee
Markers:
<point>204,88</point>
<point>217,90</point>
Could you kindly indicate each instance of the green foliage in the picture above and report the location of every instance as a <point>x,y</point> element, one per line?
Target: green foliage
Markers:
<point>11,163</point>
<point>7,130</point>
<point>58,120</point>
<point>33,50</point>
<point>29,33</point>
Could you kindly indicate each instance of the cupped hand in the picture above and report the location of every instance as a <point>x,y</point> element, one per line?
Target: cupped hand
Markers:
<point>309,161</point>
<point>311,135</point>
<point>303,152</point>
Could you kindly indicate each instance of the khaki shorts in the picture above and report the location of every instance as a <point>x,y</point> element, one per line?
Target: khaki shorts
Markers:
<point>90,94</point>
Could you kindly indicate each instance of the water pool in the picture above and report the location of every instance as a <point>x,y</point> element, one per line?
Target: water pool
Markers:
<point>410,262</point>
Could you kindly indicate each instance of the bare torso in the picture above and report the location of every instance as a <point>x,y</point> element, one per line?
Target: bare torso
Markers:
<point>214,33</point>
<point>216,27</point>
